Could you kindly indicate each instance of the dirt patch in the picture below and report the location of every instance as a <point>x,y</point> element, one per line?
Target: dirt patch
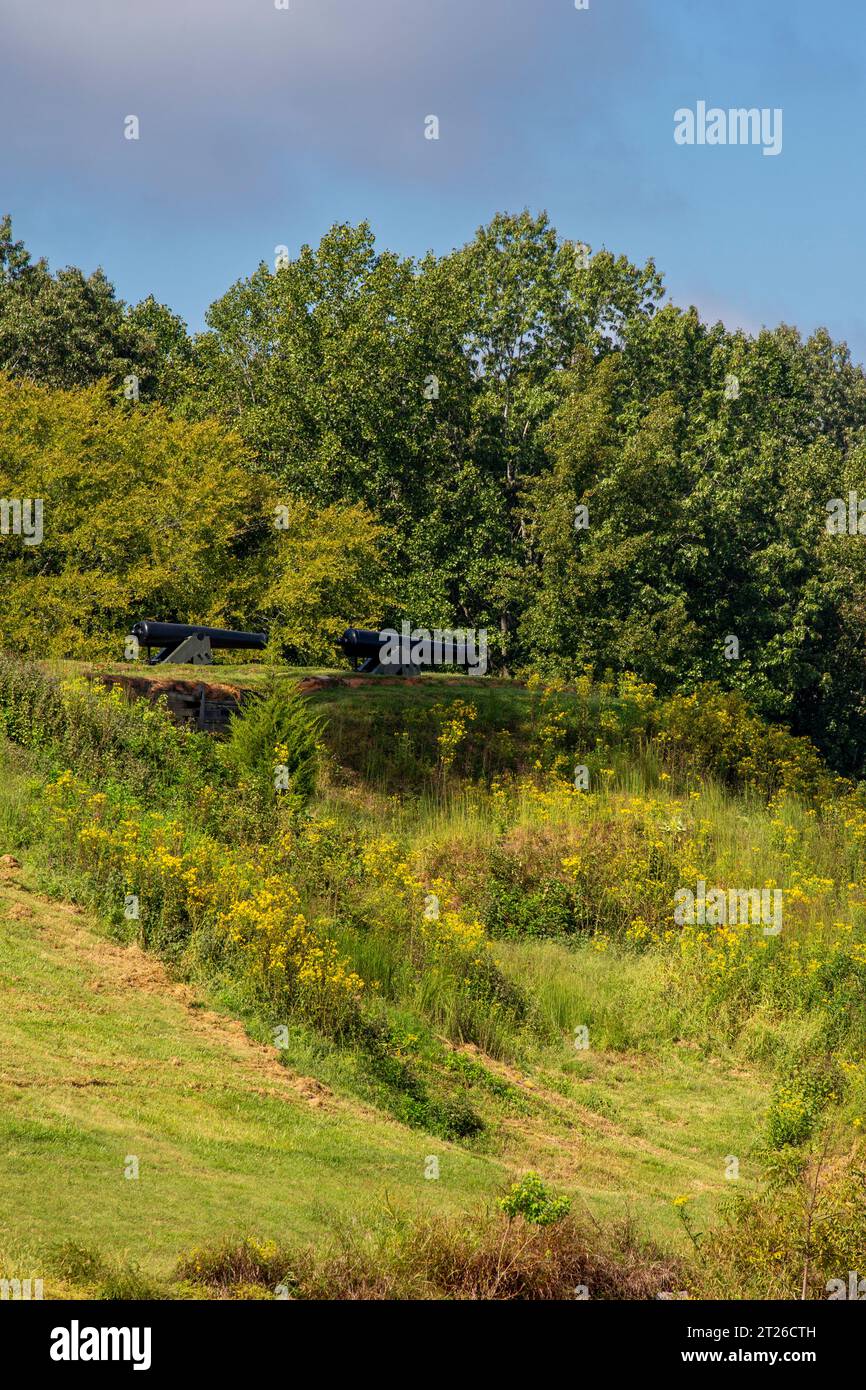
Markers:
<point>152,687</point>
<point>319,683</point>
<point>116,969</point>
<point>9,871</point>
<point>19,912</point>
<point>129,967</point>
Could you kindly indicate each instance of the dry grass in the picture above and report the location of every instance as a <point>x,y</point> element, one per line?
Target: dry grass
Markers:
<point>482,1256</point>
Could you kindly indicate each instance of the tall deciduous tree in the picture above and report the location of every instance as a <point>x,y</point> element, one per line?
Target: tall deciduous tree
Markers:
<point>70,329</point>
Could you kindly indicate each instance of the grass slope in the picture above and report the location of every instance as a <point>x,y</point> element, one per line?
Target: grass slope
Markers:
<point>105,1057</point>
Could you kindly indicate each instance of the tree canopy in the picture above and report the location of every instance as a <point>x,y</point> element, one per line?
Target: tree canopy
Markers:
<point>521,435</point>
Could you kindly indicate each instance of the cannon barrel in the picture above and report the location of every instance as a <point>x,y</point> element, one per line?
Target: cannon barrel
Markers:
<point>360,643</point>
<point>391,651</point>
<point>153,634</point>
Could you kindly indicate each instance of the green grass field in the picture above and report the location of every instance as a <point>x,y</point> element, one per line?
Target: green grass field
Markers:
<point>152,1041</point>
<point>105,1058</point>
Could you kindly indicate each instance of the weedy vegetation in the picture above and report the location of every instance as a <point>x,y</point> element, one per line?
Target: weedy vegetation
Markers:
<point>480,947</point>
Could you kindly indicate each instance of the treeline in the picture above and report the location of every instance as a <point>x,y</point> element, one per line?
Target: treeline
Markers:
<point>519,436</point>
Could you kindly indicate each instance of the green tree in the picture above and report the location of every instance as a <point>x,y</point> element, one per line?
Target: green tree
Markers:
<point>325,572</point>
<point>344,370</point>
<point>142,516</point>
<point>70,329</point>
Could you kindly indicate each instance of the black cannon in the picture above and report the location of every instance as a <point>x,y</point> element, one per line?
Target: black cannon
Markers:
<point>404,653</point>
<point>184,643</point>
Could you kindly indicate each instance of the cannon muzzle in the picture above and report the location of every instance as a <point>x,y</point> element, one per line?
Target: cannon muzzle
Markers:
<point>360,644</point>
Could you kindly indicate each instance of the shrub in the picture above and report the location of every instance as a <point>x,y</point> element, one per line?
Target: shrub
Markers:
<point>279,729</point>
<point>713,731</point>
<point>530,1199</point>
<point>476,1256</point>
<point>79,1264</point>
<point>798,1101</point>
<point>790,1240</point>
<point>235,1263</point>
<point>101,732</point>
<point>510,911</point>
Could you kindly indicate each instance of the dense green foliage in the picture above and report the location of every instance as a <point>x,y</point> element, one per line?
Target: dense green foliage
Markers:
<point>145,515</point>
<point>100,730</point>
<point>455,881</point>
<point>432,430</point>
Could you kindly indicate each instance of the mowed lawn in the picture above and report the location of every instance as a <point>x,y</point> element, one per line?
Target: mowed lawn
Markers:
<point>102,1059</point>
<point>640,1117</point>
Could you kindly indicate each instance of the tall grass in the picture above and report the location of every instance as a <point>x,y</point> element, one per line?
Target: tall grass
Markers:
<point>480,1256</point>
<point>555,905</point>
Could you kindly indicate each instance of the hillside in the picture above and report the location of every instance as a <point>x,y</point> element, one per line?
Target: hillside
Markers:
<point>468,959</point>
<point>106,1057</point>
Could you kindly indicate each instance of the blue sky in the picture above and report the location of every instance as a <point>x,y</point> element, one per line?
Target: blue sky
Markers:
<point>261,127</point>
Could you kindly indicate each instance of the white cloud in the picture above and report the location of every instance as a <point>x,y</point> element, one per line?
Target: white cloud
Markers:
<point>231,93</point>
